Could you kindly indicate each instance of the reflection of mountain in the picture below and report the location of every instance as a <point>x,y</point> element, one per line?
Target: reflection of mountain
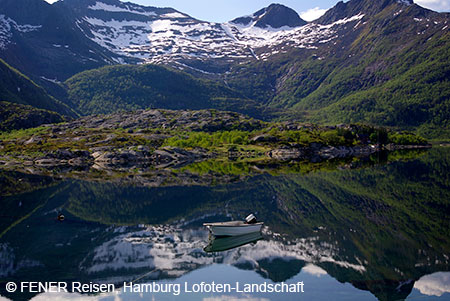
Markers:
<point>380,229</point>
<point>171,252</point>
<point>22,190</point>
<point>157,252</point>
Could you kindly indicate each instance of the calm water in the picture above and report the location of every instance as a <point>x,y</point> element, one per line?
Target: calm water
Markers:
<point>374,233</point>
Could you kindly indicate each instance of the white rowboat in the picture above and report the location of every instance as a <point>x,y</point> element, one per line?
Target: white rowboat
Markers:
<point>233,228</point>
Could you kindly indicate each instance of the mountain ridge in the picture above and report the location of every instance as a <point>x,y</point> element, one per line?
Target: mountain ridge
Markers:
<point>307,71</point>
<point>18,88</point>
<point>354,7</point>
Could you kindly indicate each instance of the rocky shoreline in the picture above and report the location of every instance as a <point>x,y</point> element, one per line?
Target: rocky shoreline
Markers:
<point>172,157</point>
<point>317,153</point>
<point>127,140</point>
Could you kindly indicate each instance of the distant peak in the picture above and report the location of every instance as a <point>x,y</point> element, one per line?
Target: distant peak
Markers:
<point>275,16</point>
<point>354,7</point>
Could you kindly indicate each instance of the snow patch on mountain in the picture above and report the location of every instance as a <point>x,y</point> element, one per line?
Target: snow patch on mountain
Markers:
<point>113,8</point>
<point>116,35</point>
<point>176,37</point>
<point>7,25</point>
<point>346,20</point>
<point>163,26</point>
<point>174,16</point>
<point>306,36</point>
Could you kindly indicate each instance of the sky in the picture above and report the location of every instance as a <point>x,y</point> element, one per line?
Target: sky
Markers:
<point>226,10</point>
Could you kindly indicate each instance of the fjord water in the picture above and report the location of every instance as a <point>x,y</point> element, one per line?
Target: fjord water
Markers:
<point>377,232</point>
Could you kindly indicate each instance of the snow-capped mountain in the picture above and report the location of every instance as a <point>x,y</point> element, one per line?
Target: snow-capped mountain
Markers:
<point>40,40</point>
<point>161,35</point>
<point>74,35</point>
<point>272,57</point>
<point>89,33</point>
<point>155,35</point>
<point>274,16</point>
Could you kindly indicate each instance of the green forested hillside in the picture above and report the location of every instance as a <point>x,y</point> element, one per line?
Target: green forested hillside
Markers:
<point>17,88</point>
<point>394,71</point>
<point>389,67</point>
<point>420,97</point>
<point>16,116</point>
<point>127,87</point>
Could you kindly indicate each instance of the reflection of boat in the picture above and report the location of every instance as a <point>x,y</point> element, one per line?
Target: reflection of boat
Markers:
<point>235,228</point>
<point>218,244</point>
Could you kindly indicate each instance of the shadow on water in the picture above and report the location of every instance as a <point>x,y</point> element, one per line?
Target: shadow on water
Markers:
<point>382,228</point>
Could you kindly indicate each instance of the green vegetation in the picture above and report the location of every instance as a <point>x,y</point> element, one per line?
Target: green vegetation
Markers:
<point>23,133</point>
<point>37,141</point>
<point>114,88</point>
<point>17,88</point>
<point>393,77</point>
<point>209,140</point>
<point>417,98</point>
<point>250,145</point>
<point>15,116</point>
<point>277,136</point>
<point>406,139</point>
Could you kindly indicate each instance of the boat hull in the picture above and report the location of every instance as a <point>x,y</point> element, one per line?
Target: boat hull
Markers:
<point>220,244</point>
<point>225,230</point>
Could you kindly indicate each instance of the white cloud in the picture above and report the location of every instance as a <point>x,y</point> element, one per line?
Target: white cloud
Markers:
<point>435,284</point>
<point>437,5</point>
<point>312,14</point>
<point>314,270</point>
<point>51,1</point>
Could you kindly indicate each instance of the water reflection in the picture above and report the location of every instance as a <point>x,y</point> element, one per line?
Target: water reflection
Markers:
<point>435,284</point>
<point>380,230</point>
<point>219,244</point>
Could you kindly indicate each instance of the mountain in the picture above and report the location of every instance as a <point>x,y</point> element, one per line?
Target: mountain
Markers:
<point>380,62</point>
<point>164,35</point>
<point>40,40</point>
<point>71,36</point>
<point>385,63</point>
<point>17,88</point>
<point>367,7</point>
<point>113,88</point>
<point>275,16</point>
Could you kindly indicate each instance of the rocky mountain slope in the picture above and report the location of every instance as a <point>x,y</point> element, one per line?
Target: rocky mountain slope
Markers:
<point>17,88</point>
<point>106,31</point>
<point>40,40</point>
<point>380,62</point>
<point>155,35</point>
<point>389,65</point>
